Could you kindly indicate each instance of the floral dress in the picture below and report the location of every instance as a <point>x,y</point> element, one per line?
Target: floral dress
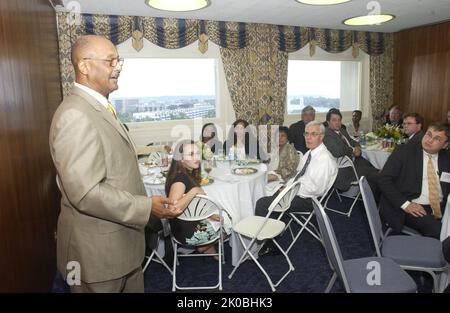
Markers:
<point>195,232</point>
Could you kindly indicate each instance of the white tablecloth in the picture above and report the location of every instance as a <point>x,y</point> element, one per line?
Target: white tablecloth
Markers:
<point>376,156</point>
<point>237,194</point>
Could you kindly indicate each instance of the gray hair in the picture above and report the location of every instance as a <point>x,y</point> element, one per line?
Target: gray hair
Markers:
<point>314,123</point>
<point>308,108</point>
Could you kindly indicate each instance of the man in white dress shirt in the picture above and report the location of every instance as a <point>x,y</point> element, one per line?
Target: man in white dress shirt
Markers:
<point>415,183</point>
<point>317,174</point>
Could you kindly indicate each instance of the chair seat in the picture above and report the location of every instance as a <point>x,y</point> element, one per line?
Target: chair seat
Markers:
<point>393,278</point>
<point>249,227</point>
<point>414,251</point>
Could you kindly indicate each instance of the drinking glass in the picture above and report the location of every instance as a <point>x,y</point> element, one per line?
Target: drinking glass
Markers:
<point>207,166</point>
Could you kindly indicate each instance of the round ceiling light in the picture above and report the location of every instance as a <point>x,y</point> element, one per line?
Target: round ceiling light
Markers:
<point>368,19</point>
<point>322,2</point>
<point>178,5</point>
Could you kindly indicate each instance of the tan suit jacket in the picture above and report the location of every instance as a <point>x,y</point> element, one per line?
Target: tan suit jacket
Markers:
<point>104,207</point>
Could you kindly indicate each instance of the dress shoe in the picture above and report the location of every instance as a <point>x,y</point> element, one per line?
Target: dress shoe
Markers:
<point>269,251</point>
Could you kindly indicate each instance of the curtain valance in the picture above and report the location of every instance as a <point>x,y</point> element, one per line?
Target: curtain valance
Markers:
<point>167,33</point>
<point>293,38</point>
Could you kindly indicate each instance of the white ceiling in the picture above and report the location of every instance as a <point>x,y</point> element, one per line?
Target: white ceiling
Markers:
<point>409,13</point>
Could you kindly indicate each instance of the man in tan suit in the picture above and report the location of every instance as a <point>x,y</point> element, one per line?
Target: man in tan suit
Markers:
<point>104,207</point>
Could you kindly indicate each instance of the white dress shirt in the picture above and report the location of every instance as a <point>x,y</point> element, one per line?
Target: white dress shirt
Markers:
<point>320,173</point>
<point>96,95</point>
<point>423,198</point>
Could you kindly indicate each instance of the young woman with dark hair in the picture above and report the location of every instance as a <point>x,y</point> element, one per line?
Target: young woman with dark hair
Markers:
<point>182,185</point>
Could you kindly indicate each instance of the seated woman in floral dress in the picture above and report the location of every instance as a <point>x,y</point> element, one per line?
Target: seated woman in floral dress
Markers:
<point>182,185</point>
<point>287,157</point>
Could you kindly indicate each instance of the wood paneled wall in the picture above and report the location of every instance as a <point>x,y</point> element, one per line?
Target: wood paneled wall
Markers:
<point>422,71</point>
<point>29,94</point>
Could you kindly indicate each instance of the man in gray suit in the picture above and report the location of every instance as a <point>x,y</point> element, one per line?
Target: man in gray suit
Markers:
<point>104,207</point>
<point>339,143</point>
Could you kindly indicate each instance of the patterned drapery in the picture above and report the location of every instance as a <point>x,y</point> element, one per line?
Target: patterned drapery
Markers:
<point>255,56</point>
<point>382,82</point>
<point>293,38</point>
<point>165,32</point>
<point>257,77</point>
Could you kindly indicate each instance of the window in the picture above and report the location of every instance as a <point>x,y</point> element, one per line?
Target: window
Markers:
<point>161,89</point>
<point>323,85</point>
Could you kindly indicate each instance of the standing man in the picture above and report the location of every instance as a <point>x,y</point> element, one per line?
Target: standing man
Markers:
<point>104,207</point>
<point>297,129</point>
<point>412,127</point>
<point>415,183</point>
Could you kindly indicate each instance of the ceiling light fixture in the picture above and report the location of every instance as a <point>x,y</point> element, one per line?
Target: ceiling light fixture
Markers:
<point>322,2</point>
<point>178,5</point>
<point>368,20</point>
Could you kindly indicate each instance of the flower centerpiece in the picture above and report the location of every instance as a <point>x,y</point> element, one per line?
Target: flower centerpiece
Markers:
<point>389,132</point>
<point>207,154</point>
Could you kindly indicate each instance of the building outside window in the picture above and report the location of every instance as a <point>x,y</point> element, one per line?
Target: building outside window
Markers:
<point>163,89</point>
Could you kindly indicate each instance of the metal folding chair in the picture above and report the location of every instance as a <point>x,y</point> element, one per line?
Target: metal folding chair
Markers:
<point>415,253</point>
<point>355,274</point>
<point>201,207</point>
<point>258,228</point>
<point>345,162</point>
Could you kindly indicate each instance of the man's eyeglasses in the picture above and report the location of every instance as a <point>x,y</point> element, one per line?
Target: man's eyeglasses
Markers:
<point>313,134</point>
<point>436,139</point>
<point>112,62</point>
<point>404,123</point>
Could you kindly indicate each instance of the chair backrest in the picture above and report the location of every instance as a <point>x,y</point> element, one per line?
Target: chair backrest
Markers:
<point>344,162</point>
<point>373,216</point>
<point>283,201</point>
<point>300,156</point>
<point>330,187</point>
<point>202,207</point>
<point>330,242</point>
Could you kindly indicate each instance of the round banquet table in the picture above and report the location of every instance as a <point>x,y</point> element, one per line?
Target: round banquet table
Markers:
<point>236,193</point>
<point>376,156</point>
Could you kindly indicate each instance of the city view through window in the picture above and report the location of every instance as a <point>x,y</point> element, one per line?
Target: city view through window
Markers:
<point>152,89</point>
<point>315,83</point>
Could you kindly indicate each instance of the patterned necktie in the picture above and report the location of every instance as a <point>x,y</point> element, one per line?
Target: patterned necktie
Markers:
<point>112,110</point>
<point>433,191</point>
<point>302,172</point>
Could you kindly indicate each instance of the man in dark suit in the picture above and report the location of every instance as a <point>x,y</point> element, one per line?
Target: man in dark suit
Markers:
<point>412,127</point>
<point>297,129</point>
<point>339,143</point>
<point>394,117</point>
<point>415,183</point>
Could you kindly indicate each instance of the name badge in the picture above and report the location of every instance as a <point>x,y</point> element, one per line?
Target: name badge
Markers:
<point>445,177</point>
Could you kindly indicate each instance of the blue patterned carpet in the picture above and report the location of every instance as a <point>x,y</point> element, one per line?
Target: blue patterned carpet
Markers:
<point>312,270</point>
